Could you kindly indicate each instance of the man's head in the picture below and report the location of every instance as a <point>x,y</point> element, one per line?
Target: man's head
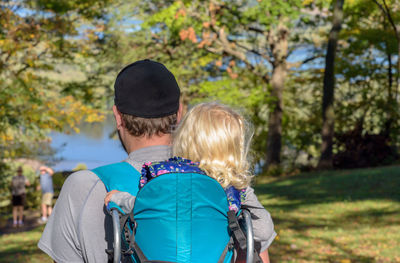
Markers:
<point>19,170</point>
<point>146,101</point>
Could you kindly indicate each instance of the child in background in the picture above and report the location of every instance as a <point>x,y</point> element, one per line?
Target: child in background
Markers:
<point>218,139</point>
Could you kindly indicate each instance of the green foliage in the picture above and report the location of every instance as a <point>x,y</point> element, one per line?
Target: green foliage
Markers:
<point>80,166</point>
<point>188,36</point>
<point>61,57</point>
<point>41,44</point>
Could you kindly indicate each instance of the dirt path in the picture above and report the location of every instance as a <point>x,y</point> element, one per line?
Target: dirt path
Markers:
<point>31,220</point>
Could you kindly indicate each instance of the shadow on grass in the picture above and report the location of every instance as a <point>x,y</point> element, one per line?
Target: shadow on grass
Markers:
<point>334,186</point>
<point>20,247</point>
<point>23,254</point>
<point>284,251</point>
<point>295,208</point>
<point>376,217</point>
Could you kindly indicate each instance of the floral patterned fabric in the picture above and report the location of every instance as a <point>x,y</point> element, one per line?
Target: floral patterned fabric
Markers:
<point>180,165</point>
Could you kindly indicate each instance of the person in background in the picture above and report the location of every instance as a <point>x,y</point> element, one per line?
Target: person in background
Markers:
<point>46,184</point>
<point>18,191</point>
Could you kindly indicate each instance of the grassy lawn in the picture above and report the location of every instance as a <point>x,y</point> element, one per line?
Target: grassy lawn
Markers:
<point>22,247</point>
<point>337,216</point>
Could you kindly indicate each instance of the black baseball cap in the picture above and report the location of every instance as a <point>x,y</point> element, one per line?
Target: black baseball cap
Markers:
<point>146,89</point>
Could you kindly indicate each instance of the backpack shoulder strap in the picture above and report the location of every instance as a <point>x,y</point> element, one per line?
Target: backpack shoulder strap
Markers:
<point>119,176</point>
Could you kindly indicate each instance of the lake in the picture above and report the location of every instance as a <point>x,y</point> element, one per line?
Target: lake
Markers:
<point>93,146</point>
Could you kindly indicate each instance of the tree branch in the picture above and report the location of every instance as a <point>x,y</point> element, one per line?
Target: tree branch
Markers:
<point>264,56</point>
<point>386,12</point>
<point>301,63</point>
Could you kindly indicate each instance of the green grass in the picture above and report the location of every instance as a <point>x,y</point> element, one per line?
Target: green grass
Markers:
<point>22,247</point>
<point>336,216</point>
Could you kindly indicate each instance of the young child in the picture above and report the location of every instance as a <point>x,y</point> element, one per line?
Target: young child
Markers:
<point>217,138</point>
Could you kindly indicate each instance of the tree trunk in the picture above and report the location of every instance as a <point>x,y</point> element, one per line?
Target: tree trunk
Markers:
<point>397,32</point>
<point>274,141</point>
<point>279,45</point>
<point>328,114</point>
<point>389,120</point>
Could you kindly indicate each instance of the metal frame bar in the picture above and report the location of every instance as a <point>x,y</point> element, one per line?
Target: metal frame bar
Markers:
<point>249,236</point>
<point>247,225</point>
<point>117,236</point>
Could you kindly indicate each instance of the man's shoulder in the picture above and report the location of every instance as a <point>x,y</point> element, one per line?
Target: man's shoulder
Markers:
<point>81,181</point>
<point>90,177</point>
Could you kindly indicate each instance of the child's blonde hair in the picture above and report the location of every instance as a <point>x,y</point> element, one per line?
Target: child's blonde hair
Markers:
<point>218,138</point>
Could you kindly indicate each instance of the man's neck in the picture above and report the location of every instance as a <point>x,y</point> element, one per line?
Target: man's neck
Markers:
<point>136,143</point>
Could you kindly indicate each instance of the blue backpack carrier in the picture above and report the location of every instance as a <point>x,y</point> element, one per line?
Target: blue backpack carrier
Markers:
<point>180,214</point>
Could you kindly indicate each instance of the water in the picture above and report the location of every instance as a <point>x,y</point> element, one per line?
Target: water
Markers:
<point>92,146</point>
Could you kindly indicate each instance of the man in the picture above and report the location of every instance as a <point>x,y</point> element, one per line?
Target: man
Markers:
<point>46,185</point>
<point>146,110</point>
<point>18,192</point>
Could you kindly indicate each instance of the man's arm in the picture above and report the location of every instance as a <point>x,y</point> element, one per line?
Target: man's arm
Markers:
<point>47,169</point>
<point>60,236</point>
<point>78,230</point>
<point>263,226</point>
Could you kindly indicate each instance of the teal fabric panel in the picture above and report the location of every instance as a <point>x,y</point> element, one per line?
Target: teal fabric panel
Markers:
<point>119,176</point>
<point>182,217</point>
<point>155,214</point>
<point>209,219</point>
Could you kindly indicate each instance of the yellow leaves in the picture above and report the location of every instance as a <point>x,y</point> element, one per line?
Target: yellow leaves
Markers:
<point>94,117</point>
<point>30,62</point>
<point>67,112</point>
<point>307,2</point>
<point>6,137</point>
<point>345,261</point>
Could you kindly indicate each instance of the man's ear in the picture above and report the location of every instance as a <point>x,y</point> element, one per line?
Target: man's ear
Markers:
<point>118,117</point>
<point>179,114</point>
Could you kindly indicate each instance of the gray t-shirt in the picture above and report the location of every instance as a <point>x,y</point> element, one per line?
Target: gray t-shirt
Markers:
<point>79,229</point>
<point>18,185</point>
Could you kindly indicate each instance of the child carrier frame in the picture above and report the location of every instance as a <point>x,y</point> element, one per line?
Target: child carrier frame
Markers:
<point>246,224</point>
<point>116,176</point>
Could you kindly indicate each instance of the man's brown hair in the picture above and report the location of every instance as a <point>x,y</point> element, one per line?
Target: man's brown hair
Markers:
<point>148,127</point>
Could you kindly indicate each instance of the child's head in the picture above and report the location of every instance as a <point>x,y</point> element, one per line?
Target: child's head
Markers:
<point>217,137</point>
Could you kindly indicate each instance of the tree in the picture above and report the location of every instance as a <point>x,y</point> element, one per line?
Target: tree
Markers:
<point>47,82</point>
<point>232,52</point>
<point>226,47</point>
<point>329,87</point>
<point>386,11</point>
